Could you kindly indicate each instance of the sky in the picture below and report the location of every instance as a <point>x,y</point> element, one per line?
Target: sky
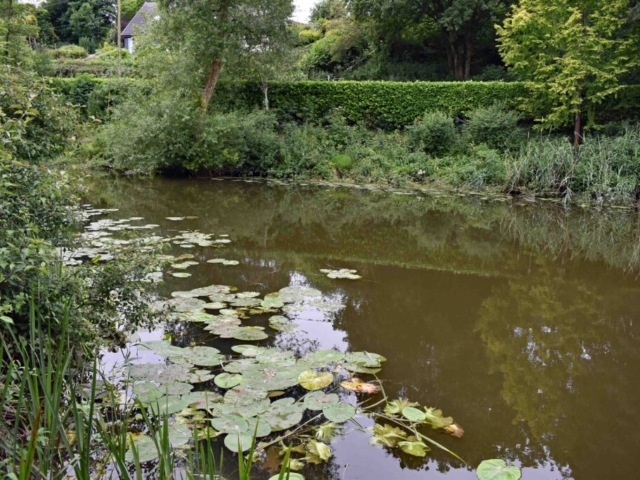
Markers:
<point>303,9</point>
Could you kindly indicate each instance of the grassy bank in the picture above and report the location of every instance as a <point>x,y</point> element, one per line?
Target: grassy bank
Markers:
<point>490,149</point>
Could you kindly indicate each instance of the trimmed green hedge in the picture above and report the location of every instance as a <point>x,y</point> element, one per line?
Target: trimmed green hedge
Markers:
<point>375,104</point>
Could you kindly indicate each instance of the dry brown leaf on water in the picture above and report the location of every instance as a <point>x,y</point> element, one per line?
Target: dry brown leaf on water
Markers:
<point>454,429</point>
<point>357,385</point>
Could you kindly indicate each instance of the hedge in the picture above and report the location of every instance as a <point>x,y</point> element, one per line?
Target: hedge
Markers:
<point>374,104</point>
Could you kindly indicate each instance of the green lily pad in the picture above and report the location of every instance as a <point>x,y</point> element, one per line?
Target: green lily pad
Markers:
<point>175,388</point>
<point>199,376</point>
<point>263,427</point>
<point>272,378</point>
<point>202,356</point>
<point>222,297</point>
<point>297,294</point>
<point>202,400</point>
<point>214,306</point>
<point>246,302</point>
<point>343,273</point>
<point>162,348</point>
<point>229,263</point>
<point>247,294</point>
<point>290,476</point>
<point>181,274</point>
<point>243,441</point>
<point>276,357</point>
<point>415,448</point>
<point>283,414</point>
<point>242,366</point>
<point>246,411</point>
<point>322,357</point>
<point>272,302</point>
<point>147,392</point>
<point>413,414</point>
<point>175,219</point>
<point>168,404</point>
<point>179,435</point>
<point>244,395</point>
<point>497,469</point>
<point>339,413</point>
<point>356,368</point>
<point>217,260</point>
<point>247,350</point>
<point>320,400</point>
<point>198,317</point>
<point>282,324</point>
<point>186,304</point>
<point>436,419</point>
<point>228,380</point>
<point>230,424</point>
<point>312,380</point>
<point>248,334</point>
<point>365,359</point>
<point>159,372</point>
<point>146,449</point>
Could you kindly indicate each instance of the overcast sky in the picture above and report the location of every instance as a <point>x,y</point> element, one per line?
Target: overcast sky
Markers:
<point>303,9</point>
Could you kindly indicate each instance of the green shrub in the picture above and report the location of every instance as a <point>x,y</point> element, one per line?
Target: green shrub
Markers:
<point>434,134</point>
<point>69,51</point>
<point>495,126</point>
<point>307,36</point>
<point>35,124</point>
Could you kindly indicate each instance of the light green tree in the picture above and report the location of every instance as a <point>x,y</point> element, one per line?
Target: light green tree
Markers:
<point>209,34</point>
<point>573,52</point>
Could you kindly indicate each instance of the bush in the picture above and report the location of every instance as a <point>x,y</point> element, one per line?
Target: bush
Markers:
<point>494,126</point>
<point>35,124</point>
<point>69,51</point>
<point>307,36</point>
<point>435,134</point>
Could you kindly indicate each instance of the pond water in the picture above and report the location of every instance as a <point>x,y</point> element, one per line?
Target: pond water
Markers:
<point>520,320</point>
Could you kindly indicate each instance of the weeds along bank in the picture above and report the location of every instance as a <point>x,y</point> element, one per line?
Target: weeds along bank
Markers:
<point>456,135</point>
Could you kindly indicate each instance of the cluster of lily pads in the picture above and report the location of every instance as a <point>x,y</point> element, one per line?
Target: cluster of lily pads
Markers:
<point>343,273</point>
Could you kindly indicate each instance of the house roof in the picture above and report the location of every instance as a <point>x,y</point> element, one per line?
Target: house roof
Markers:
<point>147,10</point>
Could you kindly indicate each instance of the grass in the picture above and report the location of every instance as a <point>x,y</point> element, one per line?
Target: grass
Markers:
<point>51,425</point>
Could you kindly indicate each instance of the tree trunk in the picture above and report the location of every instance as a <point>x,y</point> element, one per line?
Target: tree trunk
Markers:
<point>212,80</point>
<point>459,56</point>
<point>265,91</point>
<point>468,55</point>
<point>577,129</point>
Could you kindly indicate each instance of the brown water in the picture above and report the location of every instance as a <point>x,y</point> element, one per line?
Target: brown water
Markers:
<point>521,321</point>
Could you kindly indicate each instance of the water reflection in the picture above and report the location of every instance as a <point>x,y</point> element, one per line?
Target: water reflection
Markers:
<point>518,320</point>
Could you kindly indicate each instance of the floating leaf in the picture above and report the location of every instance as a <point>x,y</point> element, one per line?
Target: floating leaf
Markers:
<point>276,356</point>
<point>159,372</point>
<point>496,469</point>
<point>263,427</point>
<point>186,304</point>
<point>202,356</point>
<point>244,395</point>
<point>168,404</point>
<point>175,388</point>
<point>415,448</point>
<point>248,334</point>
<point>323,357</point>
<point>387,436</point>
<point>272,302</point>
<point>233,441</point>
<point>356,368</point>
<point>202,400</point>
<point>396,406</point>
<point>282,324</point>
<point>230,424</point>
<point>343,273</point>
<point>179,435</point>
<point>147,392</point>
<point>435,418</point>
<point>413,414</point>
<point>290,475</point>
<point>365,359</point>
<point>214,306</point>
<point>319,400</point>
<point>339,413</point>
<point>326,431</point>
<point>228,380</point>
<point>199,376</point>
<point>312,380</point>
<point>246,411</point>
<point>247,350</point>
<point>181,274</point>
<point>357,385</point>
<point>175,219</point>
<point>283,414</point>
<point>145,447</point>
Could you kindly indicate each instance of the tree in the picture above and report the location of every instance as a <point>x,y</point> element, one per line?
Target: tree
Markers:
<point>457,24</point>
<point>573,52</point>
<point>18,29</point>
<point>73,20</point>
<point>214,32</point>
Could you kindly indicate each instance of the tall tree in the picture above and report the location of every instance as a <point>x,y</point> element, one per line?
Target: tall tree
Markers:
<point>18,29</point>
<point>214,32</point>
<point>573,52</point>
<point>458,24</point>
<point>75,19</point>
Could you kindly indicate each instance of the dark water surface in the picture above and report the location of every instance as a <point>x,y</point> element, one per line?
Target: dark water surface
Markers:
<point>520,320</point>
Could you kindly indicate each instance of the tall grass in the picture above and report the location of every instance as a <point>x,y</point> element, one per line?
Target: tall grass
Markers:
<point>50,426</point>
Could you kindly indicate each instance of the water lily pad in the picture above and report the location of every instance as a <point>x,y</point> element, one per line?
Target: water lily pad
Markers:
<point>415,448</point>
<point>320,400</point>
<point>168,404</point>
<point>290,476</point>
<point>339,413</point>
<point>202,356</point>
<point>161,347</point>
<point>343,273</point>
<point>258,427</point>
<point>356,368</point>
<point>217,260</point>
<point>272,302</point>
<point>199,376</point>
<point>205,291</point>
<point>247,294</point>
<point>230,424</point>
<point>202,400</point>
<point>214,306</point>
<point>246,411</point>
<point>175,388</point>
<point>228,380</point>
<point>322,357</point>
<point>185,304</point>
<point>496,469</point>
<point>179,435</point>
<point>297,294</point>
<point>413,414</point>
<point>180,274</point>
<point>365,359</point>
<point>147,392</point>
<point>312,380</point>
<point>272,378</point>
<point>283,414</point>
<point>246,302</point>
<point>222,297</point>
<point>146,449</point>
<point>175,219</point>
<point>244,395</point>
<point>282,324</point>
<point>198,317</point>
<point>237,443</point>
<point>183,265</point>
<point>242,366</point>
<point>277,357</point>
<point>249,334</point>
<point>160,373</point>
<point>248,350</point>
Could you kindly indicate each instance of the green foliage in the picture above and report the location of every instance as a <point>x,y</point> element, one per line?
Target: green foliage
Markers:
<point>308,35</point>
<point>69,51</point>
<point>435,134</point>
<point>494,126</point>
<point>34,123</point>
<point>130,8</point>
<point>573,53</point>
<point>18,27</point>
